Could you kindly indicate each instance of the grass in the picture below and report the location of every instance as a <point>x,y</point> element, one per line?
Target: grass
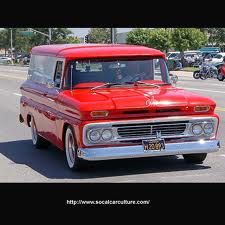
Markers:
<point>189,69</point>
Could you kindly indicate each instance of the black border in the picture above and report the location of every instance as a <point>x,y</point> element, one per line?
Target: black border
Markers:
<point>164,197</point>
<point>173,198</point>
<point>112,14</point>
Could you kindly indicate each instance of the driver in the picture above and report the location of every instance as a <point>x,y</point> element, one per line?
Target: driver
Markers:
<point>120,77</point>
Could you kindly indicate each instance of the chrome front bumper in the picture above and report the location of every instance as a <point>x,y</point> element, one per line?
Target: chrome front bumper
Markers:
<point>137,151</point>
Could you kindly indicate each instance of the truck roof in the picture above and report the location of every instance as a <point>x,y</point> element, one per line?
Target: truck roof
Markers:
<point>95,50</point>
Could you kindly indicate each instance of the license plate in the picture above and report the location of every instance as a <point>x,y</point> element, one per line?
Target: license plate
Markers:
<point>154,145</point>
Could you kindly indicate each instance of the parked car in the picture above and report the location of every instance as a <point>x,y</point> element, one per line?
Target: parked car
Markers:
<point>101,102</point>
<point>172,55</point>
<point>218,57</point>
<point>5,60</point>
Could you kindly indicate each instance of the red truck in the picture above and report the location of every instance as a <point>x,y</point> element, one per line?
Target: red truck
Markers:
<point>104,101</point>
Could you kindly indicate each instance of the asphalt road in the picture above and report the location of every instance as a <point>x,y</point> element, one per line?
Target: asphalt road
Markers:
<point>21,162</point>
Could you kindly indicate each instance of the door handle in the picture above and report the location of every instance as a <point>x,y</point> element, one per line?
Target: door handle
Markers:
<point>50,115</point>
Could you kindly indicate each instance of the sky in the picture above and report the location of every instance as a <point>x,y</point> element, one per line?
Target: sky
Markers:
<point>81,32</point>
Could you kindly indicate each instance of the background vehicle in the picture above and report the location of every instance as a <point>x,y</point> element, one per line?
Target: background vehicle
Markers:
<point>172,55</point>
<point>5,60</point>
<point>218,57</point>
<point>221,72</point>
<point>206,71</point>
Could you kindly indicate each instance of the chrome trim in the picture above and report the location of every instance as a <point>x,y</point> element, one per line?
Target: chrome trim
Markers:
<point>117,139</point>
<point>137,151</point>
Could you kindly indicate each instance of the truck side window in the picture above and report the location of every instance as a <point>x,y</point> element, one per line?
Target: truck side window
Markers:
<point>58,73</point>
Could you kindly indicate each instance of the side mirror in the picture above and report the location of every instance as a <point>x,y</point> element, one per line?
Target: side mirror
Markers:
<point>174,79</point>
<point>50,83</point>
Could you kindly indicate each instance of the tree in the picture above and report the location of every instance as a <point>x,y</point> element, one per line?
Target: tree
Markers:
<point>3,40</point>
<point>71,40</point>
<point>159,38</point>
<point>58,36</point>
<point>187,39</point>
<point>138,36</point>
<point>99,35</point>
<point>216,36</point>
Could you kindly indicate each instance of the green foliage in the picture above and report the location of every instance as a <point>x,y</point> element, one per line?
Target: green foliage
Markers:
<point>216,36</point>
<point>138,36</point>
<point>99,35</point>
<point>23,43</point>
<point>160,38</point>
<point>187,38</point>
<point>71,40</point>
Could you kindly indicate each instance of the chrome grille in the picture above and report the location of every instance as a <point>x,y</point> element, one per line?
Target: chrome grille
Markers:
<point>138,130</point>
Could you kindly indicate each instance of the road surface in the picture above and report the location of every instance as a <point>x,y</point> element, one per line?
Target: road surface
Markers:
<point>21,162</point>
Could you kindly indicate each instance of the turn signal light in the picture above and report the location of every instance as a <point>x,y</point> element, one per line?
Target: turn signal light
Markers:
<point>203,108</point>
<point>99,113</point>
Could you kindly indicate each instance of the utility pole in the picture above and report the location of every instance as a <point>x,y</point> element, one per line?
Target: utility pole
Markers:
<point>50,34</point>
<point>112,35</point>
<point>11,46</point>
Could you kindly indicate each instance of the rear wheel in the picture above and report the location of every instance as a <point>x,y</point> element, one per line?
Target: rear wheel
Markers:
<point>37,140</point>
<point>195,158</point>
<point>70,145</point>
<point>220,77</point>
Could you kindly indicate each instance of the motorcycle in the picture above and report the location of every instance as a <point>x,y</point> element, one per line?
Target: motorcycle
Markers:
<point>221,73</point>
<point>206,71</point>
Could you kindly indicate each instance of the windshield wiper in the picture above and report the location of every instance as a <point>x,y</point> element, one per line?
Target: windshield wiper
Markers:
<point>106,85</point>
<point>136,83</point>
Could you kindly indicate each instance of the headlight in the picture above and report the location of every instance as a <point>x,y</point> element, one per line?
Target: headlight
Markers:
<point>208,128</point>
<point>94,135</point>
<point>197,129</point>
<point>107,135</point>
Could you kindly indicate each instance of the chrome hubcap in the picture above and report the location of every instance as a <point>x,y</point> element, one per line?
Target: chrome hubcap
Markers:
<point>70,148</point>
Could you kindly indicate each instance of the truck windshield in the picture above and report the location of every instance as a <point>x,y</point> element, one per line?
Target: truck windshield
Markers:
<point>89,73</point>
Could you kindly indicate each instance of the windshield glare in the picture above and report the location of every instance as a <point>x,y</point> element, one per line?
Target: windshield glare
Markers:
<point>89,73</point>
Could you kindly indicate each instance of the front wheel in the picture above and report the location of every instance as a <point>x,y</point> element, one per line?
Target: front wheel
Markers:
<point>195,158</point>
<point>70,146</point>
<point>196,74</point>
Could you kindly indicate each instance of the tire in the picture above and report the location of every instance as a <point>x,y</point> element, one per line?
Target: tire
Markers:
<point>196,74</point>
<point>70,147</point>
<point>195,158</point>
<point>38,141</point>
<point>220,77</point>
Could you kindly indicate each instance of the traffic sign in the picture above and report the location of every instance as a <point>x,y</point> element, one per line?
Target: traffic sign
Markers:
<point>27,33</point>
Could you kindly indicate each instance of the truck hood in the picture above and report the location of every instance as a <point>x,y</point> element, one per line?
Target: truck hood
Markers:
<point>167,100</point>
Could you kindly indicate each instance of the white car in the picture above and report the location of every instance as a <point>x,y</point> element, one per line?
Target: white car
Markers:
<point>4,59</point>
<point>172,55</point>
<point>218,57</point>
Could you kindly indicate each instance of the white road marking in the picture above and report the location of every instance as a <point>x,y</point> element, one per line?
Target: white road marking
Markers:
<point>8,92</point>
<point>222,155</point>
<point>198,89</point>
<point>12,77</point>
<point>17,94</point>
